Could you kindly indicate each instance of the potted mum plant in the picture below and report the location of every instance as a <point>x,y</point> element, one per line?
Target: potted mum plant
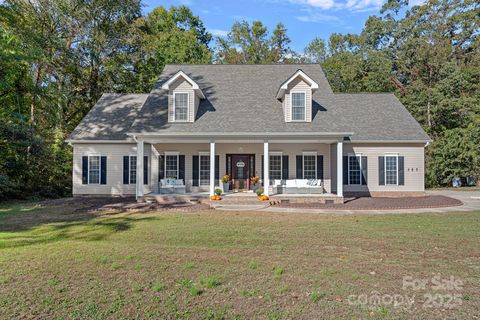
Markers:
<point>226,183</point>
<point>260,194</point>
<point>217,197</point>
<point>255,182</point>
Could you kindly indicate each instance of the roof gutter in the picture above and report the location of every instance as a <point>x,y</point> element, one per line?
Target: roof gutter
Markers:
<point>427,142</point>
<point>242,134</point>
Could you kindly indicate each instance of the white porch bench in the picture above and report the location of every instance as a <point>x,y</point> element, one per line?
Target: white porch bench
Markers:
<point>171,186</point>
<point>298,186</point>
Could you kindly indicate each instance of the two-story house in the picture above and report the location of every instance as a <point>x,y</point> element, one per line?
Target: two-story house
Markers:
<point>282,123</point>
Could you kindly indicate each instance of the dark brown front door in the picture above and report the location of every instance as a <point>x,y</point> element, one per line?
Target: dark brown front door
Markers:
<point>241,167</point>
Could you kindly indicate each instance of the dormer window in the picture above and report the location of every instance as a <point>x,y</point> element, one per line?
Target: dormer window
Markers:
<point>296,94</point>
<point>298,105</point>
<point>180,106</point>
<point>184,96</point>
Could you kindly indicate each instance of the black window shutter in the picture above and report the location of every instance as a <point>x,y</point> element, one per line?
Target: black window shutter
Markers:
<point>285,167</point>
<point>181,167</point>
<point>145,169</point>
<point>345,170</point>
<point>228,165</point>
<point>364,171</point>
<point>320,167</point>
<point>103,170</point>
<point>381,171</point>
<point>263,165</point>
<point>252,165</point>
<point>126,164</point>
<point>299,167</point>
<point>84,170</point>
<point>217,170</point>
<point>161,167</point>
<point>401,171</point>
<point>195,170</point>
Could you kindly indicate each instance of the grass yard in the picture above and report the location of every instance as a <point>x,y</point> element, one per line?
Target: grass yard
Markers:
<point>56,262</point>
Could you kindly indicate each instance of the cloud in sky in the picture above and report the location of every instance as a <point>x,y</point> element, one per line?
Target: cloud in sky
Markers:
<point>412,3</point>
<point>318,17</point>
<point>323,4</point>
<point>218,32</point>
<point>350,5</point>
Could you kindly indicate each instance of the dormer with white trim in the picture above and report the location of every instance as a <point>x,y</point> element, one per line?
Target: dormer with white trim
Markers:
<point>296,96</point>
<point>184,96</point>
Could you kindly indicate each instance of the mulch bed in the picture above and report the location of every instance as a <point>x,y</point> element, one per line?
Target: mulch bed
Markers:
<point>367,203</point>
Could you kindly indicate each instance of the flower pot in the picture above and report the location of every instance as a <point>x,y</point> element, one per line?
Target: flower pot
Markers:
<point>226,186</point>
<point>256,186</point>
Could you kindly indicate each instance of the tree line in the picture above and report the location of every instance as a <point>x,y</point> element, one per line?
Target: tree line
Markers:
<point>58,56</point>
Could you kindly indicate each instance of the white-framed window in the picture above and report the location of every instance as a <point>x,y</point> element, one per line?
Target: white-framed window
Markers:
<point>180,106</point>
<point>354,169</point>
<point>275,167</point>
<point>391,169</point>
<point>298,100</point>
<point>309,165</point>
<point>132,169</point>
<point>94,169</point>
<point>171,166</point>
<point>204,169</point>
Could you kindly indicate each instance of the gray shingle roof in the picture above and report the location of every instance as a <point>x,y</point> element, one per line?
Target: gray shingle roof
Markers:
<point>110,118</point>
<point>241,98</point>
<point>376,117</point>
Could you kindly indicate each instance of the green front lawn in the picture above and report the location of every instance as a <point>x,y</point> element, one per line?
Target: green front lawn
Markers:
<point>58,263</point>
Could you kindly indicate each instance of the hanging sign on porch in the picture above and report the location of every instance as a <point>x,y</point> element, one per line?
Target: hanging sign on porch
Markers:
<point>240,164</point>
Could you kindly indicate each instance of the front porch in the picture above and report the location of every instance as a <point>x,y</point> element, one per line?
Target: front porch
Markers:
<point>294,170</point>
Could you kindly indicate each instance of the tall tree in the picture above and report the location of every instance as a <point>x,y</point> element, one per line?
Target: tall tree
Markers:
<point>316,51</point>
<point>169,36</point>
<point>252,44</point>
<point>65,55</point>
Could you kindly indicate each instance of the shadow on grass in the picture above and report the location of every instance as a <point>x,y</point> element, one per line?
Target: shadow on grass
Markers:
<point>87,230</point>
<point>27,223</point>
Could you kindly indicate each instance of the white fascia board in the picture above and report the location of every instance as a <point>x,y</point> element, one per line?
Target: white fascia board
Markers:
<point>242,134</point>
<point>182,74</point>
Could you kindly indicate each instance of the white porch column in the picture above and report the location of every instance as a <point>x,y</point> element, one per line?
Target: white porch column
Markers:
<point>212,168</point>
<point>140,153</point>
<point>340,169</point>
<point>266,169</point>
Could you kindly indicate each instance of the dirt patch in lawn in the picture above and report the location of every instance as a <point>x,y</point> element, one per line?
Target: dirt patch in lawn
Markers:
<point>370,203</point>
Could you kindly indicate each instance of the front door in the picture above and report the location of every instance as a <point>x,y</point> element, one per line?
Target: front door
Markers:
<point>240,167</point>
<point>240,172</point>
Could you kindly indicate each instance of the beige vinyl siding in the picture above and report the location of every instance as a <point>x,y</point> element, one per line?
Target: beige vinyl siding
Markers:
<point>222,149</point>
<point>300,85</point>
<point>414,166</point>
<point>182,86</point>
<point>114,154</point>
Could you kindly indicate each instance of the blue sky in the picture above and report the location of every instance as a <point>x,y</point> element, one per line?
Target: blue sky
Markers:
<point>304,19</point>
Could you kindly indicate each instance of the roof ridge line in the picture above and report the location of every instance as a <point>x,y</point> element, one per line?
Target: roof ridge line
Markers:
<point>351,93</point>
<point>240,64</point>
